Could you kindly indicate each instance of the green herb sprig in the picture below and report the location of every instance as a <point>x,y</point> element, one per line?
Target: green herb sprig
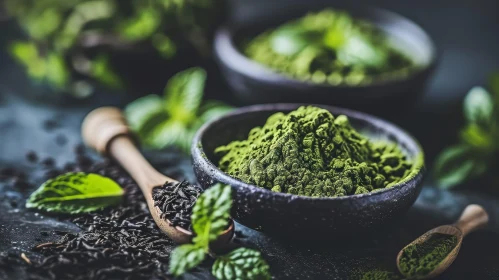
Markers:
<point>479,139</point>
<point>74,193</point>
<point>209,218</point>
<point>68,41</point>
<point>172,120</point>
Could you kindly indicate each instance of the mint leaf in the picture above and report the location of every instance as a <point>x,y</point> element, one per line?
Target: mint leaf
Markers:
<point>241,264</point>
<point>174,119</point>
<point>74,193</point>
<point>183,94</point>
<point>213,109</point>
<point>186,257</point>
<point>168,132</point>
<point>478,105</point>
<point>140,111</point>
<point>457,164</point>
<point>148,118</point>
<point>478,137</point>
<point>210,215</point>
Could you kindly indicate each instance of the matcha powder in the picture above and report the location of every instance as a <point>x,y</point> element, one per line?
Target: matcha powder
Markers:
<point>309,152</point>
<point>418,260</point>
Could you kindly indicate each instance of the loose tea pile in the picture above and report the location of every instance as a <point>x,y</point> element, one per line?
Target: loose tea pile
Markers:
<point>122,243</point>
<point>331,47</point>
<point>176,201</point>
<point>418,260</point>
<point>309,152</point>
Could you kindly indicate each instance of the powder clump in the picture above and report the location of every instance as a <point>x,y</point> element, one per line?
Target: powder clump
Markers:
<point>310,152</point>
<point>418,260</point>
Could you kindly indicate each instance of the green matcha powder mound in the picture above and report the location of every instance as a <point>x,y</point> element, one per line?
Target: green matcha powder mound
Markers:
<point>309,152</point>
<point>417,260</point>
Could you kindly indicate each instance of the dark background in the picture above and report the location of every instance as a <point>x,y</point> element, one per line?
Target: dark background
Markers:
<point>466,35</point>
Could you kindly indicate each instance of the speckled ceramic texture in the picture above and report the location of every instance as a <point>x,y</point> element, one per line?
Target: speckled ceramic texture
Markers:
<point>255,83</point>
<point>273,212</point>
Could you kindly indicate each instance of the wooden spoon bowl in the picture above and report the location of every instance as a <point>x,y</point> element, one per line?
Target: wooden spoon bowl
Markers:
<point>105,129</point>
<point>474,217</point>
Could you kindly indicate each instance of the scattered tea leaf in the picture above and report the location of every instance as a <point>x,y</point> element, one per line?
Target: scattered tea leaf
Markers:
<point>186,257</point>
<point>242,263</point>
<point>74,193</point>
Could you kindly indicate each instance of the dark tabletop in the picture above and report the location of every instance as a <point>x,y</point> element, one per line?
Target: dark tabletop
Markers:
<point>465,33</point>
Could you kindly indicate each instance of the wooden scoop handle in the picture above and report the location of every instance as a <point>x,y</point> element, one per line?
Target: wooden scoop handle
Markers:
<point>474,217</point>
<point>105,129</point>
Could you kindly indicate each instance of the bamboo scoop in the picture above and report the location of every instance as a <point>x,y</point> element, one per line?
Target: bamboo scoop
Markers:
<point>105,130</point>
<point>473,217</point>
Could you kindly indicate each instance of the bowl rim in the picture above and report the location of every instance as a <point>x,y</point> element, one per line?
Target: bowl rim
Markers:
<point>414,177</point>
<point>227,54</point>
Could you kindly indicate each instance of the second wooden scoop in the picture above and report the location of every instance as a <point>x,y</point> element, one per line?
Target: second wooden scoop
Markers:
<point>105,129</point>
<point>474,217</point>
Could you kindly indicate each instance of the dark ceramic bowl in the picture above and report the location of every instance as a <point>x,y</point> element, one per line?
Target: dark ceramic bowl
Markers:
<point>255,83</point>
<point>269,211</point>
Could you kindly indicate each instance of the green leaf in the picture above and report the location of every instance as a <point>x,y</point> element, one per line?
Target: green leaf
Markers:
<point>164,45</point>
<point>241,264</point>
<point>74,193</point>
<point>184,92</point>
<point>27,54</point>
<point>478,137</point>
<point>210,215</point>
<point>102,71</point>
<point>140,111</point>
<point>457,164</point>
<point>56,71</point>
<point>478,105</point>
<point>213,109</point>
<point>167,133</point>
<point>142,25</point>
<point>186,257</point>
<point>80,16</point>
<point>43,24</point>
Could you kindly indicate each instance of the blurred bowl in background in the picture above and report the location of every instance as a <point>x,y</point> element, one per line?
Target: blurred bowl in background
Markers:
<point>255,83</point>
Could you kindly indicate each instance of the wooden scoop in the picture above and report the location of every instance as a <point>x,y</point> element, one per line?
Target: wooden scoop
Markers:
<point>474,217</point>
<point>105,130</point>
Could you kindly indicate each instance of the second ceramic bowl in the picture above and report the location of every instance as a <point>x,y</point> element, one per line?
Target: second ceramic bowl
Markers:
<point>274,212</point>
<point>254,83</point>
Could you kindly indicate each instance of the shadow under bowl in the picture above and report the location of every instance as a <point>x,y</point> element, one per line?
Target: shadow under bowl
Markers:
<point>287,214</point>
<point>255,83</point>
